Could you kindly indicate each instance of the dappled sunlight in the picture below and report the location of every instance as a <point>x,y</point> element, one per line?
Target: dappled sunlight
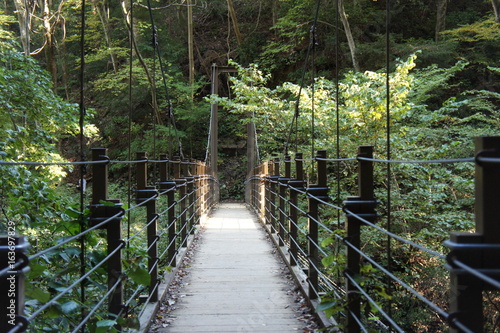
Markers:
<point>229,223</point>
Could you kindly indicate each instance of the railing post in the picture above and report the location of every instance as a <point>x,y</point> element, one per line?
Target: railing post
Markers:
<point>262,191</point>
<point>274,189</point>
<point>143,193</point>
<point>201,175</point>
<point>209,188</point>
<point>101,212</point>
<point>466,305</point>
<point>296,185</point>
<point>180,182</point>
<point>13,249</point>
<point>268,193</point>
<point>190,198</point>
<point>282,184</point>
<point>184,204</point>
<point>317,191</point>
<point>168,186</point>
<point>363,206</point>
<point>198,211</point>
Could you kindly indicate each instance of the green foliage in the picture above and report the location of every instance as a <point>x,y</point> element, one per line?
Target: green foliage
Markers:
<point>432,117</point>
<point>478,41</point>
<point>33,120</point>
<point>363,106</point>
<point>435,111</point>
<point>6,36</point>
<point>481,30</point>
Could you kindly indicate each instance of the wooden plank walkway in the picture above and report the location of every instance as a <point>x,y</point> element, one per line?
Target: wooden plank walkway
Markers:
<point>234,282</point>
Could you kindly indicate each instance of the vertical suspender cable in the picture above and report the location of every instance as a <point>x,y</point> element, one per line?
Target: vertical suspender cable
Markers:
<point>304,70</point>
<point>388,143</point>
<point>313,32</point>
<point>130,112</point>
<point>82,158</point>
<point>169,102</point>
<point>208,141</point>
<point>153,114</point>
<point>256,139</point>
<point>337,107</point>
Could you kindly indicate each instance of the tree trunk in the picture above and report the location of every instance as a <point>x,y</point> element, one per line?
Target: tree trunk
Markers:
<point>23,16</point>
<point>348,34</point>
<point>441,18</point>
<point>106,27</point>
<point>496,9</point>
<point>154,103</point>
<point>190,46</point>
<point>50,47</point>
<point>235,21</point>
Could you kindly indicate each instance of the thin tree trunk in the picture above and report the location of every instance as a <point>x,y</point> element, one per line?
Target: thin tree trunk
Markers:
<point>441,18</point>
<point>50,48</point>
<point>143,64</point>
<point>190,46</point>
<point>106,27</point>
<point>348,34</point>
<point>235,20</point>
<point>496,9</point>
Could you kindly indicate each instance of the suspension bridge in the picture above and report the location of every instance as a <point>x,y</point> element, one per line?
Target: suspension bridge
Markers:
<point>111,275</point>
<point>233,285</point>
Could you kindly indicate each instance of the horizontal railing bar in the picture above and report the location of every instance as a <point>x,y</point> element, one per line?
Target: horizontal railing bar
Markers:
<point>374,304</point>
<point>96,307</point>
<point>478,273</point>
<point>430,304</point>
<point>74,284</point>
<point>404,240</point>
<point>72,238</point>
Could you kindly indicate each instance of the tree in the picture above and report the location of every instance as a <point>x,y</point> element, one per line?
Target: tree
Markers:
<point>236,27</point>
<point>23,10</point>
<point>496,9</point>
<point>50,41</point>
<point>103,12</point>
<point>348,34</point>
<point>440,18</point>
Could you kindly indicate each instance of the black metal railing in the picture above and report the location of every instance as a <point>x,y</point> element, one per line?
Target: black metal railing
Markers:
<point>341,263</point>
<point>114,271</point>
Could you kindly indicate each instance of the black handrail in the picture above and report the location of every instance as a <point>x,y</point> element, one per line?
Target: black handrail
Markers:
<point>189,194</point>
<point>279,199</point>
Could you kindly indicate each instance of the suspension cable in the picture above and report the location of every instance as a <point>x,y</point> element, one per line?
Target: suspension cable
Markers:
<point>304,70</point>
<point>82,159</point>
<point>257,149</point>
<point>164,81</point>
<point>209,136</point>
<point>388,142</point>
<point>130,112</point>
<point>337,106</point>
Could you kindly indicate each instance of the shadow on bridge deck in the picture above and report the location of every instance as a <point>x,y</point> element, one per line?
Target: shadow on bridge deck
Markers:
<point>235,282</point>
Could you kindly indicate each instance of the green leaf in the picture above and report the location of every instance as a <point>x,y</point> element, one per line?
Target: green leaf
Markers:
<point>106,323</point>
<point>72,212</point>
<point>36,270</point>
<point>327,241</point>
<point>140,276</point>
<point>326,306</point>
<point>328,261</point>
<point>54,311</point>
<point>382,292</point>
<point>37,293</point>
<point>69,307</point>
<point>107,203</point>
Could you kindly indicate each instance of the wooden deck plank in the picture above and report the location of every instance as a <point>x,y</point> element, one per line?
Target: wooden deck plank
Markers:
<point>234,282</point>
